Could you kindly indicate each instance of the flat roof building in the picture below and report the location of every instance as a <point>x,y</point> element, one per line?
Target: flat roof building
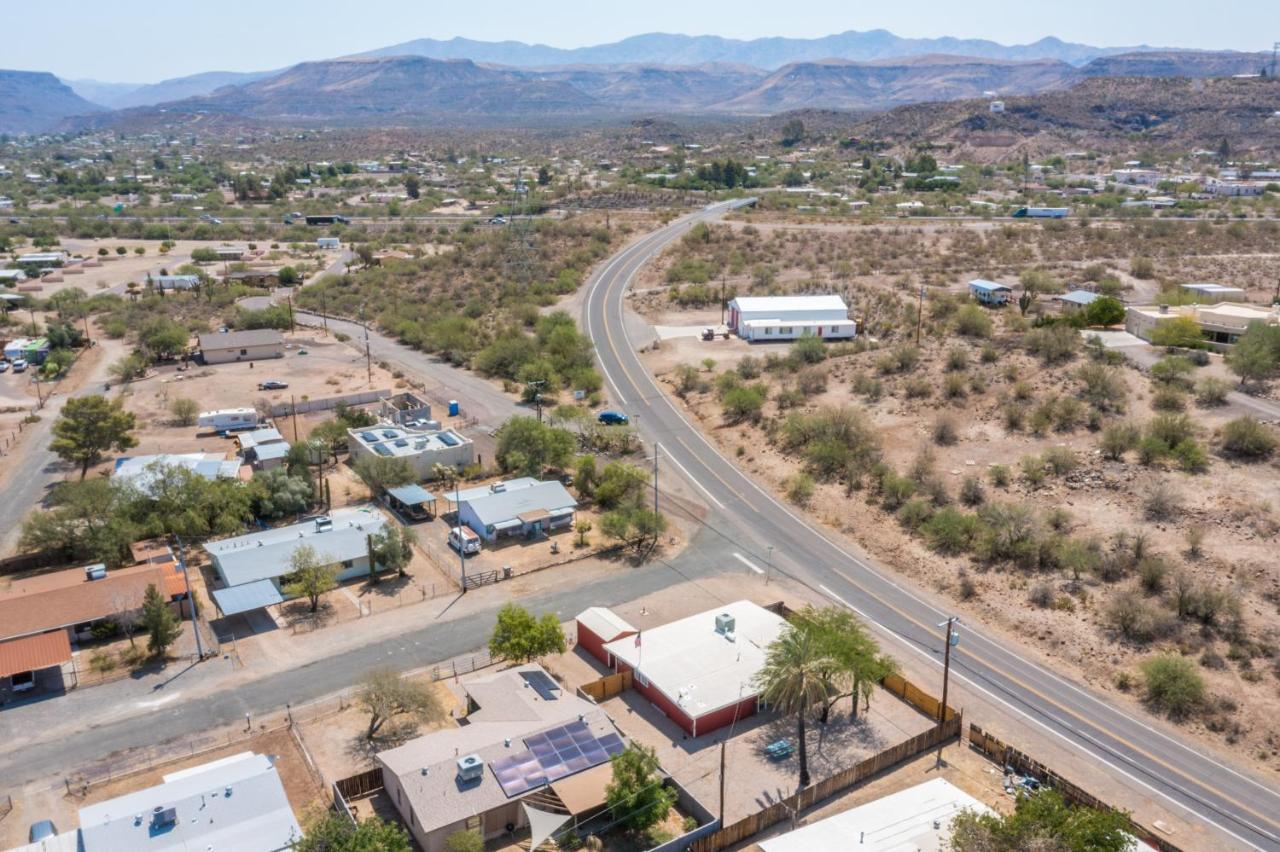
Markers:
<point>764,318</point>
<point>422,448</point>
<point>251,566</point>
<point>1210,293</point>
<point>529,511</point>
<point>234,803</point>
<point>1221,324</point>
<point>175,282</point>
<point>230,346</point>
<point>701,670</point>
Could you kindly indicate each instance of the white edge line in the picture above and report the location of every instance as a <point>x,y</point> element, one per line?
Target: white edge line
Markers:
<point>747,562</point>
<point>1194,816</point>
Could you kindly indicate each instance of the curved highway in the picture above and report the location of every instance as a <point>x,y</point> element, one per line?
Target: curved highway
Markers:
<point>1242,811</point>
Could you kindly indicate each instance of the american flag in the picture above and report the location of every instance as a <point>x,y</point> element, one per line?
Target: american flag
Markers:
<point>637,640</point>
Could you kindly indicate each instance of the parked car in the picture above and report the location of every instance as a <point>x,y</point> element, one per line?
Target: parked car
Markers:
<point>41,830</point>
<point>4,366</point>
<point>272,384</point>
<point>613,418</point>
<point>20,365</point>
<point>464,540</point>
<point>498,220</point>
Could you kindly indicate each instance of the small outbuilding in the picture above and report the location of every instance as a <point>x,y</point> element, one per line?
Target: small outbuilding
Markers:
<point>1076,300</point>
<point>230,346</point>
<point>987,292</point>
<point>598,626</point>
<point>412,501</point>
<point>1206,294</point>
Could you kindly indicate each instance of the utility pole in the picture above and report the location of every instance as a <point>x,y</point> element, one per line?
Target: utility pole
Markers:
<point>656,449</point>
<point>457,517</point>
<point>35,375</point>
<point>324,310</point>
<point>536,385</point>
<point>723,275</point>
<point>949,638</point>
<point>919,314</point>
<point>722,781</point>
<point>293,408</point>
<point>195,618</point>
<point>290,301</point>
<point>368,353</point>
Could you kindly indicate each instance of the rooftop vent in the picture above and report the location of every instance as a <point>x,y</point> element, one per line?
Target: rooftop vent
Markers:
<point>97,571</point>
<point>162,817</point>
<point>470,768</point>
<point>498,487</point>
<point>725,623</point>
<point>324,523</point>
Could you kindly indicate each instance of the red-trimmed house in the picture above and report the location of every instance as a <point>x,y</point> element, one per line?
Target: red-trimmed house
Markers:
<point>700,671</point>
<point>598,626</point>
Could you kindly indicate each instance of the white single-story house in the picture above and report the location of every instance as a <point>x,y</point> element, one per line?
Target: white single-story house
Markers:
<point>253,345</point>
<point>175,282</point>
<point>143,471</point>
<point>765,318</point>
<point>423,449</point>
<point>328,243</point>
<point>1221,324</point>
<point>1076,300</point>
<point>43,258</point>
<point>253,568</point>
<point>1210,293</point>
<point>529,511</point>
<point>990,292</point>
<point>12,276</point>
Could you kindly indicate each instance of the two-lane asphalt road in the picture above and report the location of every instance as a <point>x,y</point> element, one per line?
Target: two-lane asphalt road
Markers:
<point>1243,811</point>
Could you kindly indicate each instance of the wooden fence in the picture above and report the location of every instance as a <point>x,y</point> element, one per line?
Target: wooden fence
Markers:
<point>608,686</point>
<point>915,696</point>
<point>358,786</point>
<point>851,777</point>
<point>1024,764</point>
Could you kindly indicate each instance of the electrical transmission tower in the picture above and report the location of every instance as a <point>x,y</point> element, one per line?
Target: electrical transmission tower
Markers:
<point>519,251</point>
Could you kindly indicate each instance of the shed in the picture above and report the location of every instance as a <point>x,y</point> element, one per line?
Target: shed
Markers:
<point>598,626</point>
<point>1076,300</point>
<point>253,345</point>
<point>990,292</point>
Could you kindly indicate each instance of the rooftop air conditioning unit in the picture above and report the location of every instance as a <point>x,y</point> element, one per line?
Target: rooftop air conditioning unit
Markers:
<point>498,487</point>
<point>470,768</point>
<point>97,571</point>
<point>725,623</point>
<point>162,817</point>
<point>324,524</point>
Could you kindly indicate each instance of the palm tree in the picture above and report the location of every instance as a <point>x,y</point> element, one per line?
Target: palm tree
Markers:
<point>794,677</point>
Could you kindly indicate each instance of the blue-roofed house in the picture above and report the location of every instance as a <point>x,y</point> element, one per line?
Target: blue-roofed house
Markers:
<point>530,511</point>
<point>1075,300</point>
<point>252,567</point>
<point>990,292</point>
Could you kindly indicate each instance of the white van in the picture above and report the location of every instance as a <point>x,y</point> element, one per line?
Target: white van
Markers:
<point>464,540</point>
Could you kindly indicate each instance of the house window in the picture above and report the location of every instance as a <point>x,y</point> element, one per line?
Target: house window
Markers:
<point>769,330</point>
<point>643,681</point>
<point>785,330</point>
<point>244,351</point>
<point>348,563</point>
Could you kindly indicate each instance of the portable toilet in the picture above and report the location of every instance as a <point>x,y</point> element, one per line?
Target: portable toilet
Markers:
<point>453,408</point>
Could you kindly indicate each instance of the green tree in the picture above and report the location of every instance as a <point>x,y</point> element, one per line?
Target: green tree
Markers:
<point>277,494</point>
<point>795,678</point>
<point>636,796</point>
<point>856,665</point>
<point>82,521</point>
<point>1104,311</point>
<point>412,185</point>
<point>1256,354</point>
<point>520,637</point>
<point>544,176</point>
<point>89,427</point>
<point>332,832</point>
<point>162,626</point>
<point>1043,821</point>
<point>184,411</point>
<point>619,483</point>
<point>385,694</point>
<point>163,339</point>
<point>310,574</point>
<point>391,549</point>
<point>528,447</point>
<point>383,472</point>
<point>1178,331</point>
<point>1173,685</point>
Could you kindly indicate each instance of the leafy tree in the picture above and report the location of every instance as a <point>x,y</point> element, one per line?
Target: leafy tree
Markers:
<point>744,403</point>
<point>385,694</point>
<point>83,522</point>
<point>1104,311</point>
<point>585,476</point>
<point>1246,438</point>
<point>310,574</point>
<point>1178,331</point>
<point>1044,822</point>
<point>383,472</point>
<point>794,678</point>
<point>464,841</point>
<point>1173,685</point>
<point>391,549</point>
<point>332,832</point>
<point>89,427</point>
<point>792,133</point>
<point>289,276</point>
<point>161,339</point>
<point>412,185</point>
<point>162,626</point>
<point>856,662</point>
<point>636,796</point>
<point>528,447</point>
<point>1256,355</point>
<point>619,483</point>
<point>184,411</point>
<point>544,176</point>
<point>520,637</point>
<point>278,493</point>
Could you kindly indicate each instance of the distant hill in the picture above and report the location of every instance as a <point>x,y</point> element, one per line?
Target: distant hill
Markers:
<point>885,83</point>
<point>766,53</point>
<point>1099,113</point>
<point>176,89</point>
<point>658,88</point>
<point>1177,63</point>
<point>36,101</point>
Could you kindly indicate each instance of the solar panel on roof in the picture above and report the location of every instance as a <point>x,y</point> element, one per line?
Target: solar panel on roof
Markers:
<point>447,439</point>
<point>554,754</point>
<point>389,433</point>
<point>381,449</point>
<point>402,443</point>
<point>369,437</point>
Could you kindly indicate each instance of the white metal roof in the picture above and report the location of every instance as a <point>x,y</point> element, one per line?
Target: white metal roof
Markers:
<point>496,508</point>
<point>604,622</point>
<point>787,304</point>
<point>699,669</point>
<point>899,821</point>
<point>264,555</point>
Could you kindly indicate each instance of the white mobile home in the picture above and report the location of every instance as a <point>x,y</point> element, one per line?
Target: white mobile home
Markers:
<point>228,419</point>
<point>765,318</point>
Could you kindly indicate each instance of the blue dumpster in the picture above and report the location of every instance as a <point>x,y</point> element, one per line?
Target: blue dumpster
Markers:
<point>453,408</point>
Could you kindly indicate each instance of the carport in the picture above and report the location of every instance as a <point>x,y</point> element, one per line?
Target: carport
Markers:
<point>247,596</point>
<point>24,662</point>
<point>412,501</point>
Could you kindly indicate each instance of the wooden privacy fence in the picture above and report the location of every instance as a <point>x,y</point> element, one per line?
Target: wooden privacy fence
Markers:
<point>358,786</point>
<point>915,696</point>
<point>1024,764</point>
<point>608,686</point>
<point>854,775</point>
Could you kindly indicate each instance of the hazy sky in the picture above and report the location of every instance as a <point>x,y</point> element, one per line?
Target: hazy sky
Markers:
<point>149,40</point>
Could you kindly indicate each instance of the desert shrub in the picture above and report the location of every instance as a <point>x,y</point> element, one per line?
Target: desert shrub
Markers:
<point>1195,541</point>
<point>950,531</point>
<point>812,381</point>
<point>1151,450</point>
<point>1191,456</point>
<point>832,440</point>
<point>1000,475</point>
<point>914,513</point>
<point>1104,387</point>
<point>800,488</point>
<point>1211,392</point>
<point>1162,502</point>
<point>1152,572</point>
<point>901,359</point>
<point>1022,391</point>
<point>1058,519</point>
<point>1032,469</point>
<point>1068,414</point>
<point>1174,370</point>
<point>789,396</point>
<point>917,388</point>
<point>989,354</point>
<point>972,492</point>
<point>1014,416</point>
<point>1053,344</point>
<point>972,321</point>
<point>1117,439</point>
<point>957,359</point>
<point>1143,268</point>
<point>808,349</point>
<point>749,368</point>
<point>1041,595</point>
<point>1041,417</point>
<point>1171,429</point>
<point>1008,533</point>
<point>744,403</point>
<point>1246,438</point>
<point>1061,460</point>
<point>1168,398</point>
<point>978,383</point>
<point>1135,619</point>
<point>1173,685</point>
<point>954,386</point>
<point>944,431</point>
<point>895,490</point>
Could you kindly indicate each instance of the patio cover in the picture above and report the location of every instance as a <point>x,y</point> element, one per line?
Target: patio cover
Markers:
<point>411,495</point>
<point>585,791</point>
<point>31,653</point>
<point>247,596</point>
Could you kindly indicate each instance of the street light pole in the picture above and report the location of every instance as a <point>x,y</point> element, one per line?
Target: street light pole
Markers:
<point>191,599</point>
<point>949,638</point>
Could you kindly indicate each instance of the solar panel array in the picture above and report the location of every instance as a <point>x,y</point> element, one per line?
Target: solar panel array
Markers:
<point>554,754</point>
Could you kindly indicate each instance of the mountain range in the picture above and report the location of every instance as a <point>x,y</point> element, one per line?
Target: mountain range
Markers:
<point>458,82</point>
